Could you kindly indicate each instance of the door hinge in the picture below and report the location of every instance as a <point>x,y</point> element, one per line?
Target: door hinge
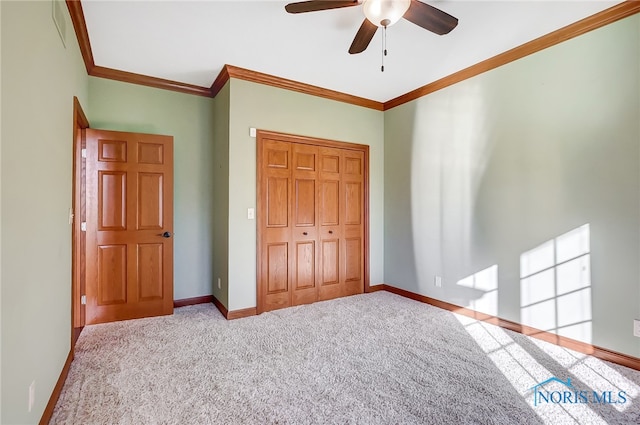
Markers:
<point>84,152</point>
<point>83,226</point>
<point>83,300</point>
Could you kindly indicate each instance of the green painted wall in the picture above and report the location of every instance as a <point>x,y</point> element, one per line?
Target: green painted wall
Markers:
<point>221,112</point>
<point>269,108</point>
<point>0,221</point>
<point>127,107</point>
<point>479,173</point>
<point>39,79</point>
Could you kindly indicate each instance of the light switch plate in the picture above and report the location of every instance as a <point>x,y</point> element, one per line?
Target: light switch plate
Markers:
<point>32,395</point>
<point>252,132</point>
<point>636,327</point>
<point>251,213</point>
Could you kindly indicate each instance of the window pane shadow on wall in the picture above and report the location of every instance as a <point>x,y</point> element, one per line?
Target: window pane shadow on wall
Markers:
<point>527,361</point>
<point>482,293</point>
<point>555,286</point>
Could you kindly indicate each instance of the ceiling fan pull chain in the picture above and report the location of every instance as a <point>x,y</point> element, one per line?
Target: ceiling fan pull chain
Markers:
<point>385,40</point>
<point>384,46</point>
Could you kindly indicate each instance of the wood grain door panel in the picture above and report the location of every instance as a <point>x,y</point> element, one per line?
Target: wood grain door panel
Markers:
<point>330,203</point>
<point>112,200</point>
<point>305,224</point>
<point>112,150</point>
<point>150,274</point>
<point>112,274</point>
<point>306,265</point>
<point>150,202</point>
<point>330,258</point>
<point>129,205</point>
<point>150,153</point>
<point>331,224</point>
<point>353,203</point>
<point>305,202</point>
<point>278,201</point>
<point>353,266</point>
<point>278,268</point>
<point>354,214</point>
<point>274,221</point>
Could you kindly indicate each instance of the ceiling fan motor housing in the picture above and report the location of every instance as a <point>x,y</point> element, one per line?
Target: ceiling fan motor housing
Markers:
<point>384,13</point>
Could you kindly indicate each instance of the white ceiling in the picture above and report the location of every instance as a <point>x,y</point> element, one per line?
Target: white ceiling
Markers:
<point>190,41</point>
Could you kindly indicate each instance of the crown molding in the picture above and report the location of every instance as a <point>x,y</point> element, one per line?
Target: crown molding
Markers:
<point>80,27</point>
<point>607,16</point>
<point>228,71</point>
<point>613,14</point>
<point>144,80</point>
<point>220,81</point>
<point>283,83</point>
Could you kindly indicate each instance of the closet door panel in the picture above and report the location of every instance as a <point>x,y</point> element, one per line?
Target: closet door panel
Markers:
<point>274,225</point>
<point>352,235</point>
<point>331,165</point>
<point>304,255</point>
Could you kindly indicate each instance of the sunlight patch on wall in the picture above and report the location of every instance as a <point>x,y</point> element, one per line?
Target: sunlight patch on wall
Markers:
<point>555,286</point>
<point>595,373</point>
<point>484,297</point>
<point>523,372</point>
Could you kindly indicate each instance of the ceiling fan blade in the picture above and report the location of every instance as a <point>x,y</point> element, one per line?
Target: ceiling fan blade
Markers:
<point>430,18</point>
<point>315,5</point>
<point>363,37</point>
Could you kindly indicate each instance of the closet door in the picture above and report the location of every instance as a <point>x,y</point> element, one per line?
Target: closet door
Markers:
<point>331,224</point>
<point>352,231</point>
<point>274,224</point>
<point>311,220</point>
<point>341,214</point>
<point>304,234</point>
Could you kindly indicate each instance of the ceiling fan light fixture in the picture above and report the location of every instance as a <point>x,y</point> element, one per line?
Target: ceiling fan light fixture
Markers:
<point>384,13</point>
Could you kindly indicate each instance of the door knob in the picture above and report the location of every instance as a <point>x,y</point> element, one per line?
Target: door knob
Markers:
<point>166,235</point>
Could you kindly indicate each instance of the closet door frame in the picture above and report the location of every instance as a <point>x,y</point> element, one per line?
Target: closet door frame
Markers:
<point>262,135</point>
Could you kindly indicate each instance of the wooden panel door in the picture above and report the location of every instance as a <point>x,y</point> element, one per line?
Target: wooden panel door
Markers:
<point>352,231</point>
<point>331,224</point>
<point>304,233</point>
<point>274,222</point>
<point>312,222</point>
<point>342,177</point>
<point>129,190</point>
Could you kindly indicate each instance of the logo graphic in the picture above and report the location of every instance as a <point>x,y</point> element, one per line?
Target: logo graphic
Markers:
<point>572,395</point>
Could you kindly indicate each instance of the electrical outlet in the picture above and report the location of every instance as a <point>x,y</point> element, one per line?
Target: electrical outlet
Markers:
<point>437,280</point>
<point>636,327</point>
<point>32,395</point>
<point>219,286</point>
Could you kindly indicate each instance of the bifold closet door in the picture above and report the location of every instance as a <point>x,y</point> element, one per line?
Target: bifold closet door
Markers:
<point>304,235</point>
<point>289,248</point>
<point>274,224</point>
<point>341,222</point>
<point>310,222</point>
<point>352,235</point>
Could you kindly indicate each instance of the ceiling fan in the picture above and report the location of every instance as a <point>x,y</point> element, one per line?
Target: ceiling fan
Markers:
<point>383,13</point>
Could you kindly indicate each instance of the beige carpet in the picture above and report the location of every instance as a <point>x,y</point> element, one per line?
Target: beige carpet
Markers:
<point>369,359</point>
